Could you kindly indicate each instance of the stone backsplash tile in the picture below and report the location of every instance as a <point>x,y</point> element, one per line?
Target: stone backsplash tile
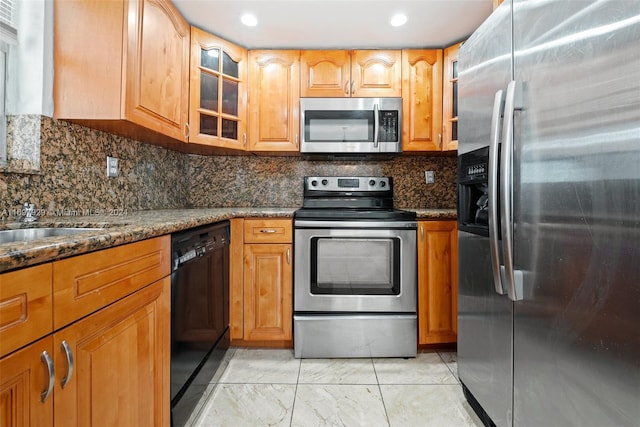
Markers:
<point>226,181</point>
<point>72,177</point>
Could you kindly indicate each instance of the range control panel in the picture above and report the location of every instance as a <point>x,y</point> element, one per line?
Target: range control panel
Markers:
<point>347,183</point>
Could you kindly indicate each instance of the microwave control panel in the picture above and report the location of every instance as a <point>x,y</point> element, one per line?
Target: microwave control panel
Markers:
<point>388,126</point>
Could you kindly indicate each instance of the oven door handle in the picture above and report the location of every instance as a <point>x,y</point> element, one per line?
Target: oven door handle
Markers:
<point>376,125</point>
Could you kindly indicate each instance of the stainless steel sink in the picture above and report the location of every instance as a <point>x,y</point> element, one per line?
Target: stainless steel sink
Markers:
<point>27,234</point>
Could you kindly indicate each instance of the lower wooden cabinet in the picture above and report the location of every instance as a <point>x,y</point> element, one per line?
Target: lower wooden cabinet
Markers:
<point>437,282</point>
<point>267,292</point>
<point>120,363</point>
<point>261,282</point>
<point>24,377</point>
<point>106,362</point>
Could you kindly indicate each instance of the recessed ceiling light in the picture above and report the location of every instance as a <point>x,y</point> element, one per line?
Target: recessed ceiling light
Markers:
<point>249,20</point>
<point>398,20</point>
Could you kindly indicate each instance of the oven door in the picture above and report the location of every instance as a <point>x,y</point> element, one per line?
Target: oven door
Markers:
<point>359,266</point>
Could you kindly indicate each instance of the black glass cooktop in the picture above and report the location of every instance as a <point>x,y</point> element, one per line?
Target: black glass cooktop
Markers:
<point>337,214</point>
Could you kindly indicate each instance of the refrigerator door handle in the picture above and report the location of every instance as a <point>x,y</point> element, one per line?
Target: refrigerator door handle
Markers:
<point>494,146</point>
<point>513,279</point>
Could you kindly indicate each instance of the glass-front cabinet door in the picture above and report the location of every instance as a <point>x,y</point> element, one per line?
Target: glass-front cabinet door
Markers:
<point>218,92</point>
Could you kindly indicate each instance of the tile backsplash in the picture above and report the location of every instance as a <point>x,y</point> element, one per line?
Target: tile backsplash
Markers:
<point>72,176</point>
<point>277,181</point>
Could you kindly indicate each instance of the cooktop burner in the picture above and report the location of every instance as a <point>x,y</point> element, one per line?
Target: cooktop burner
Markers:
<point>350,198</point>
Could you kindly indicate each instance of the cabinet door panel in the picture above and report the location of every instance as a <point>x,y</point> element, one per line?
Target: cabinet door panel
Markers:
<point>88,282</point>
<point>157,93</point>
<point>450,95</point>
<point>23,378</point>
<point>218,93</point>
<point>437,282</point>
<point>376,73</point>
<point>421,99</point>
<point>121,363</point>
<point>268,230</point>
<point>274,100</point>
<point>267,292</point>
<point>25,307</point>
<point>325,73</point>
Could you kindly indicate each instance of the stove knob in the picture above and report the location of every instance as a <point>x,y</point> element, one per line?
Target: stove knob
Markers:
<point>383,184</point>
<point>314,183</point>
<point>325,182</point>
<point>372,182</point>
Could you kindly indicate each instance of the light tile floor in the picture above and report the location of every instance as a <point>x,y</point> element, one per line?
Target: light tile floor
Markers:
<point>263,387</point>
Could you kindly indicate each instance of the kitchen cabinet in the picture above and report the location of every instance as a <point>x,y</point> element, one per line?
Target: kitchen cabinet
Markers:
<point>123,66</point>
<point>450,99</point>
<point>218,92</point>
<point>106,334</point>
<point>25,306</point>
<point>437,281</point>
<point>422,100</point>
<point>351,73</point>
<point>120,363</point>
<point>261,312</point>
<point>274,100</point>
<point>24,377</point>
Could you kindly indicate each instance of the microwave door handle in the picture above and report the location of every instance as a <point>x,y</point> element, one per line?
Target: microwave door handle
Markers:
<point>376,125</point>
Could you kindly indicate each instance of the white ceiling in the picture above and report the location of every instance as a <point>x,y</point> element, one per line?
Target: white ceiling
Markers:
<point>338,24</point>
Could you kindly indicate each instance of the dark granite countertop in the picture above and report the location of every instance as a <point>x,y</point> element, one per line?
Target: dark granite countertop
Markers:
<point>121,229</point>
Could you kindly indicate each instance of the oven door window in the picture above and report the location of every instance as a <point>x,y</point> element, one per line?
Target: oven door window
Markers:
<point>338,126</point>
<point>355,266</point>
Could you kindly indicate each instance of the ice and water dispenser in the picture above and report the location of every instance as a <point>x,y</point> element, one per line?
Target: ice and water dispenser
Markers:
<point>473,198</point>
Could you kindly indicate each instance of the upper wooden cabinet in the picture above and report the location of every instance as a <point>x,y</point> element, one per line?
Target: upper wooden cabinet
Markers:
<point>274,100</point>
<point>122,66</point>
<point>218,94</point>
<point>421,100</point>
<point>450,99</point>
<point>357,73</point>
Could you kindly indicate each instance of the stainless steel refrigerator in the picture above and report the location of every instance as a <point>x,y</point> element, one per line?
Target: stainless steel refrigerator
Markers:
<point>549,214</point>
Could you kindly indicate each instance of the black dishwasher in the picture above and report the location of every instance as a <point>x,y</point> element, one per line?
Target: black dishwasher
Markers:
<point>199,313</point>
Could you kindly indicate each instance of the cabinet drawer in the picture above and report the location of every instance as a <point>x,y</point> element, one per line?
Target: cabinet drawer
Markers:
<point>88,282</point>
<point>267,231</point>
<point>25,307</point>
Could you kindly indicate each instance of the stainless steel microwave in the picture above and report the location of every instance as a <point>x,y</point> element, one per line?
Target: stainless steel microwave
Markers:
<point>351,125</point>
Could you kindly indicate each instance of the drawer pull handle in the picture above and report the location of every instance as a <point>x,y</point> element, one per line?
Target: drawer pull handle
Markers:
<point>46,359</point>
<point>67,351</point>
<point>268,230</point>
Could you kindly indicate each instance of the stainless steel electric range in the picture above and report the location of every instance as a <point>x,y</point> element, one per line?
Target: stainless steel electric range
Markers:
<point>355,271</point>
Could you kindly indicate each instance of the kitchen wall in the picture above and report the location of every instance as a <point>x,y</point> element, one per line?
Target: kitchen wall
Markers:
<point>72,176</point>
<point>277,181</point>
